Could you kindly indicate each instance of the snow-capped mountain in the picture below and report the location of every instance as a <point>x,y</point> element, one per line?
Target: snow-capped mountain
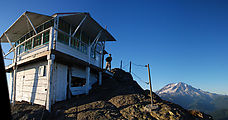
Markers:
<point>183,89</point>
<point>193,98</point>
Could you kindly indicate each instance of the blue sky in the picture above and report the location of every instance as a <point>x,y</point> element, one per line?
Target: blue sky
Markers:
<point>182,40</point>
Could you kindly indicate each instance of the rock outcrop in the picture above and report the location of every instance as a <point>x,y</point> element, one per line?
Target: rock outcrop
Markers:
<point>119,97</point>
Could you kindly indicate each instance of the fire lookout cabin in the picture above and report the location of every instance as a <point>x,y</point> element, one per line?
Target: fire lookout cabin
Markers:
<point>54,57</point>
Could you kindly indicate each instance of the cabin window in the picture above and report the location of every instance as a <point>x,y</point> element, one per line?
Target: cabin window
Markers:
<point>77,35</point>
<point>73,29</point>
<point>42,71</point>
<point>63,38</point>
<point>64,26</point>
<point>37,41</point>
<point>83,48</point>
<point>84,38</point>
<point>49,24</point>
<point>46,37</point>
<point>17,43</point>
<point>28,45</point>
<point>98,47</point>
<point>40,28</point>
<point>30,34</point>
<point>22,39</point>
<point>21,48</point>
<point>77,81</point>
<point>75,43</point>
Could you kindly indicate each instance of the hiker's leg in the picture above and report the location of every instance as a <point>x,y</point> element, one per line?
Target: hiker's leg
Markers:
<point>106,66</point>
<point>110,66</point>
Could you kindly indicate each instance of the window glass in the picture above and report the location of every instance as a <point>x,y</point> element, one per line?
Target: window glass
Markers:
<point>64,26</point>
<point>49,24</point>
<point>72,29</point>
<point>37,41</point>
<point>63,38</point>
<point>30,34</point>
<point>46,37</point>
<point>84,48</point>
<point>21,49</point>
<point>40,28</point>
<point>22,39</point>
<point>76,81</point>
<point>84,38</point>
<point>77,35</point>
<point>17,43</point>
<point>75,43</point>
<point>28,45</point>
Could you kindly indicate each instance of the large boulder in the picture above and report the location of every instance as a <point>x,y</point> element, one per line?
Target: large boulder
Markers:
<point>121,76</point>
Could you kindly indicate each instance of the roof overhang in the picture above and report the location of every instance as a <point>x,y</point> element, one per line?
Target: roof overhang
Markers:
<point>90,26</point>
<point>22,26</point>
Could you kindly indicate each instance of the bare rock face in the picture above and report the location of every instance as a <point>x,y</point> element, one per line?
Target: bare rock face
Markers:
<point>120,75</point>
<point>119,98</point>
<point>96,110</point>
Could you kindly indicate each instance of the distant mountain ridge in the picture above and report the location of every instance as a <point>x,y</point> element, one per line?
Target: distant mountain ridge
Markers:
<point>193,98</point>
<point>184,89</point>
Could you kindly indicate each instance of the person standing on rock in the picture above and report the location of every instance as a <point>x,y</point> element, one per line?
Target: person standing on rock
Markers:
<point>108,62</point>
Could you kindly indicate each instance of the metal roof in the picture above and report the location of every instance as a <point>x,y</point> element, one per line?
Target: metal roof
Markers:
<point>90,26</point>
<point>22,26</point>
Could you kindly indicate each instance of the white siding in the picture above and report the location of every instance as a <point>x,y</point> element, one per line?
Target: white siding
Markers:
<point>30,86</point>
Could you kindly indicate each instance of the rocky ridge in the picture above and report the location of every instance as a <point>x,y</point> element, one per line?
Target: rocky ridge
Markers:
<point>119,97</point>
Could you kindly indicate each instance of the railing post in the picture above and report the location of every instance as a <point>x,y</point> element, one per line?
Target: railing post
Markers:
<point>51,39</point>
<point>42,39</point>
<point>70,36</point>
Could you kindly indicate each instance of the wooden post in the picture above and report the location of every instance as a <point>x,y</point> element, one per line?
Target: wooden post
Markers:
<point>121,63</point>
<point>87,79</point>
<point>102,62</point>
<point>148,66</point>
<point>130,67</point>
<point>14,76</point>
<point>14,83</point>
<point>100,77</point>
<point>50,59</point>
<point>103,49</point>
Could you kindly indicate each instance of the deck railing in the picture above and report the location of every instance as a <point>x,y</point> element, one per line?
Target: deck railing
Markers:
<point>76,43</point>
<point>43,38</point>
<point>72,41</point>
<point>34,41</point>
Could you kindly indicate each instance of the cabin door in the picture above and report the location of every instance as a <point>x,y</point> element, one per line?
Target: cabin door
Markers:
<point>61,82</point>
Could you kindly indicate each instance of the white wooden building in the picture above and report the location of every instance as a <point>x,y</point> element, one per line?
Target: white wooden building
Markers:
<point>54,57</point>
